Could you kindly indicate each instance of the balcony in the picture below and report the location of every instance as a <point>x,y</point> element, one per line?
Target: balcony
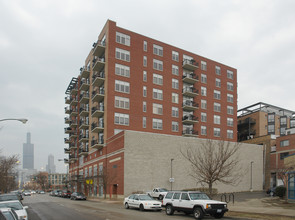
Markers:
<point>72,159</point>
<point>97,127</point>
<point>98,79</point>
<point>97,112</point>
<point>98,64</point>
<point>73,135</point>
<point>67,110</point>
<point>85,84</point>
<point>190,133</point>
<point>73,146</point>
<point>74,91</point>
<point>66,160</point>
<point>68,130</point>
<point>67,150</point>
<point>190,65</point>
<point>67,100</point>
<point>67,120</point>
<point>84,124</point>
<point>83,138</point>
<point>73,112</point>
<point>189,106</point>
<point>84,98</point>
<point>67,141</point>
<point>83,152</point>
<point>97,144</point>
<point>189,119</point>
<point>74,101</point>
<point>85,72</point>
<point>99,48</point>
<point>84,111</point>
<point>190,78</point>
<point>73,124</point>
<point>190,92</point>
<point>98,96</point>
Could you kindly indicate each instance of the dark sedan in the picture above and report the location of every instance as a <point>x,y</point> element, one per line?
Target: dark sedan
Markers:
<point>78,196</point>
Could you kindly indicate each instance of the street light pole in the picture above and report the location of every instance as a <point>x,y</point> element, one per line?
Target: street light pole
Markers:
<point>23,120</point>
<point>251,189</point>
<point>171,180</point>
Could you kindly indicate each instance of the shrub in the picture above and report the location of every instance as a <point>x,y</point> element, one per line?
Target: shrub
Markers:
<point>280,191</point>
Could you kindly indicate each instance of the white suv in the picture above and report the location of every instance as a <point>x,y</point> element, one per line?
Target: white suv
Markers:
<point>193,202</point>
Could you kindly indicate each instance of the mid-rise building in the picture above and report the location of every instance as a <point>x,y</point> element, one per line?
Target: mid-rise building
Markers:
<point>133,82</point>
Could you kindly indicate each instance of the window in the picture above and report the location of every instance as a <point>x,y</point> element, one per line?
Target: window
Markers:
<point>230,134</point>
<point>175,112</point>
<point>158,50</point>
<point>217,94</point>
<point>157,64</point>
<point>175,56</point>
<point>157,79</point>
<point>203,78</point>
<point>216,132</point>
<point>144,45</point>
<point>121,119</point>
<point>230,86</point>
<point>144,76</point>
<point>174,126</point>
<point>203,104</point>
<point>292,123</point>
<point>271,129</point>
<point>203,91</point>
<point>203,117</point>
<point>144,91</point>
<point>157,124</point>
<point>217,107</point>
<point>121,102</point>
<point>203,65</point>
<point>122,54</point>
<point>122,70</point>
<point>230,122</point>
<point>230,98</point>
<point>283,155</point>
<point>174,98</point>
<point>230,74</point>
<point>144,106</point>
<point>203,130</point>
<point>158,94</point>
<point>123,39</point>
<point>175,84</point>
<point>284,143</point>
<point>282,131</point>
<point>175,70</point>
<point>144,61</point>
<point>157,109</point>
<point>121,86</point>
<point>217,70</point>
<point>217,119</point>
<point>283,120</point>
<point>217,82</point>
<point>271,118</point>
<point>230,110</point>
<point>144,122</point>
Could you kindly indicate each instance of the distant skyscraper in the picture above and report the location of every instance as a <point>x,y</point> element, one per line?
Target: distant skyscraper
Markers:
<point>50,167</point>
<point>28,153</point>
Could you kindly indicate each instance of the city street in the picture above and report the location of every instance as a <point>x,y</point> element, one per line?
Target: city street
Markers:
<point>45,207</point>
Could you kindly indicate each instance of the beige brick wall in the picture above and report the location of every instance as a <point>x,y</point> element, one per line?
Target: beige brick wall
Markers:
<point>148,163</point>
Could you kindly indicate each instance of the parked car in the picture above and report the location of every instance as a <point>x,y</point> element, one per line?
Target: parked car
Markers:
<point>27,193</point>
<point>41,192</point>
<point>142,202</point>
<point>33,192</point>
<point>8,214</point>
<point>8,197</point>
<point>66,194</point>
<point>17,207</point>
<point>78,195</point>
<point>193,202</point>
<point>158,193</point>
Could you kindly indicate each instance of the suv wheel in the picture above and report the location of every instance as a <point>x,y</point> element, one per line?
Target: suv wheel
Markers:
<point>160,197</point>
<point>169,210</point>
<point>198,213</point>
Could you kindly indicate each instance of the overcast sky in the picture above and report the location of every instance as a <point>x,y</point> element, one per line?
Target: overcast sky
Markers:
<point>43,44</point>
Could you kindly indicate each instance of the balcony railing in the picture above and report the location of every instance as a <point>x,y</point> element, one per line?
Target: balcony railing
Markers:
<point>68,130</point>
<point>98,79</point>
<point>98,144</point>
<point>83,138</point>
<point>97,111</point>
<point>67,140</point>
<point>190,92</point>
<point>83,151</point>
<point>189,132</point>
<point>98,95</point>
<point>189,105</point>
<point>73,123</point>
<point>99,48</point>
<point>74,91</point>
<point>84,98</point>
<point>84,111</point>
<point>73,112</point>
<point>73,146</point>
<point>84,124</point>
<point>190,64</point>
<point>85,71</point>
<point>67,120</point>
<point>85,84</point>
<point>98,64</point>
<point>190,78</point>
<point>67,100</point>
<point>97,127</point>
<point>66,160</point>
<point>67,110</point>
<point>189,119</point>
<point>67,150</point>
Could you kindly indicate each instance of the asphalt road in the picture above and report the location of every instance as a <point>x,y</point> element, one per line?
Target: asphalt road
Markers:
<point>45,207</point>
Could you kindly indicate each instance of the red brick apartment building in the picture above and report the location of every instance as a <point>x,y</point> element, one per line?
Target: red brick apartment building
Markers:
<point>133,82</point>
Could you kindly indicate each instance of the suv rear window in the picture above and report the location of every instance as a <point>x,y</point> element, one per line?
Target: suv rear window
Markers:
<point>169,195</point>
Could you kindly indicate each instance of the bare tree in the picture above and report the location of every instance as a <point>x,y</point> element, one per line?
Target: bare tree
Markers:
<point>42,180</point>
<point>8,173</point>
<point>214,161</point>
<point>106,178</point>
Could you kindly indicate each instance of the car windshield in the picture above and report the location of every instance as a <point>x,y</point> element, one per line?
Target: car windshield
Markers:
<point>8,215</point>
<point>163,190</point>
<point>12,205</point>
<point>145,197</point>
<point>8,197</point>
<point>199,196</point>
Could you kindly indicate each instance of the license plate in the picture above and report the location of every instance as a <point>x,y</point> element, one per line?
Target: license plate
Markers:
<point>219,210</point>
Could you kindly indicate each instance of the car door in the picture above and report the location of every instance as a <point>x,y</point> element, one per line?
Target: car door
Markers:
<point>184,202</point>
<point>136,201</point>
<point>130,201</point>
<point>175,200</point>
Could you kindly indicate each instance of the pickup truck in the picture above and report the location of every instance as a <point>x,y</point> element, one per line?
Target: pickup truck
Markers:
<point>158,193</point>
